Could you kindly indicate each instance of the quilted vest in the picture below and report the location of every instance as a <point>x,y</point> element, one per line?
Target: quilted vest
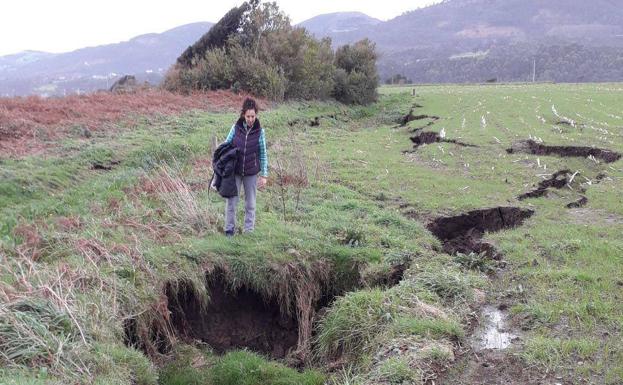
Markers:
<point>248,143</point>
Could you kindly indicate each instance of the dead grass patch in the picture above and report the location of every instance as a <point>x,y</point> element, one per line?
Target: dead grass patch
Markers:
<point>30,125</point>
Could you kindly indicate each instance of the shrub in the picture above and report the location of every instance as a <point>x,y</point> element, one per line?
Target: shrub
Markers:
<point>216,37</point>
<point>356,79</point>
<point>215,70</point>
<point>255,49</point>
<point>256,76</point>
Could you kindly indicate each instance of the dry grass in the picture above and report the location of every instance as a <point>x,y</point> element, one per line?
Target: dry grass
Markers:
<point>293,170</point>
<point>28,124</point>
<point>184,205</point>
<point>38,322</point>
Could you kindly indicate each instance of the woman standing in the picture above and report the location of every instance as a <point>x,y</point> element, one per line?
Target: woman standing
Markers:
<point>251,167</point>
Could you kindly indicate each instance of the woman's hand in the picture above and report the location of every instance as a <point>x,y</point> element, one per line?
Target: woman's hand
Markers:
<point>261,182</point>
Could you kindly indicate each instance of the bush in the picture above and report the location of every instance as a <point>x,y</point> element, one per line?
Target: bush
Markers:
<point>215,71</point>
<point>216,37</point>
<point>255,49</point>
<point>356,79</point>
<point>259,78</point>
<point>306,63</point>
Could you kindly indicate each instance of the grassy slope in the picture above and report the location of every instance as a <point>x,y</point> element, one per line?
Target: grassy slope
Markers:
<point>127,243</point>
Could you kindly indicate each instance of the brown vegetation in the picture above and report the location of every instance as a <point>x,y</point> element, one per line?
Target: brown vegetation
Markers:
<point>29,125</point>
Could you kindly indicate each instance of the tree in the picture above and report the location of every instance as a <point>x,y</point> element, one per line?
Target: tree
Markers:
<point>356,78</point>
<point>254,48</point>
<point>216,37</point>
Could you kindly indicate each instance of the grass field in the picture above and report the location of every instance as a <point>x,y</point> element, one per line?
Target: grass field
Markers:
<point>105,239</point>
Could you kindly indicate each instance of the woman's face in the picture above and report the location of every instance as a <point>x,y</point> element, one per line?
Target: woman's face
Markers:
<point>249,117</point>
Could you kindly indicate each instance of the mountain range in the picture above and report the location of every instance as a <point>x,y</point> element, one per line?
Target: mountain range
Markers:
<point>452,41</point>
<point>147,57</point>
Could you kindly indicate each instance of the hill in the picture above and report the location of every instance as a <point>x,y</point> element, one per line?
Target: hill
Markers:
<point>335,24</point>
<point>476,40</point>
<point>147,57</point>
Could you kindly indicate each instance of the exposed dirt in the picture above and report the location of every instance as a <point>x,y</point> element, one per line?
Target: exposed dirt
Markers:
<point>313,122</point>
<point>234,319</point>
<point>105,166</point>
<point>433,137</point>
<point>389,279</point>
<point>149,334</point>
<point>484,360</point>
<point>463,233</point>
<point>579,203</point>
<point>558,180</point>
<point>410,117</point>
<point>532,147</point>
<point>492,367</point>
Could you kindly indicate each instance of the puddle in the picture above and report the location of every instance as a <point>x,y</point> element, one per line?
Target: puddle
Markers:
<point>492,335</point>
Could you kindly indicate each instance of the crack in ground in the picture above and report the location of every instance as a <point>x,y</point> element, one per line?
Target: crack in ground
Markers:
<point>233,319</point>
<point>463,233</point>
<point>532,147</point>
<point>410,117</point>
<point>558,180</point>
<point>433,137</point>
<point>485,360</point>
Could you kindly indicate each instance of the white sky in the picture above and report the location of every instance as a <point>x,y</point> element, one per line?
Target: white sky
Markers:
<point>66,25</point>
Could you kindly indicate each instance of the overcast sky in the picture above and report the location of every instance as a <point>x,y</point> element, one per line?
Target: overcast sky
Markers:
<point>66,25</point>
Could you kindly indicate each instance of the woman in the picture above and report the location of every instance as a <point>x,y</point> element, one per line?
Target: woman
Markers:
<point>248,136</point>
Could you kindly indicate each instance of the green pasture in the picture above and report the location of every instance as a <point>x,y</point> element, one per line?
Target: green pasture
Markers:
<point>82,249</point>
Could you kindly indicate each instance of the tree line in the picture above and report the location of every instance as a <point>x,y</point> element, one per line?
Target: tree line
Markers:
<point>508,63</point>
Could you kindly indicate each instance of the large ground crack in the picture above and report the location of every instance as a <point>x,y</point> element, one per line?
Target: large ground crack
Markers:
<point>532,147</point>
<point>558,180</point>
<point>433,137</point>
<point>484,359</point>
<point>410,117</point>
<point>463,233</point>
<point>233,319</point>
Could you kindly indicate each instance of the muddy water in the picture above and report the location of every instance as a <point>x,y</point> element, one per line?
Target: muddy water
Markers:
<point>493,334</point>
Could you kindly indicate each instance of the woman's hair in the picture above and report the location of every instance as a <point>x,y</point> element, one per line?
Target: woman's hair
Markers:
<point>249,104</point>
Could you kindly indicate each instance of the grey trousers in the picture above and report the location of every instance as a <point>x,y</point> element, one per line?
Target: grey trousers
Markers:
<point>250,188</point>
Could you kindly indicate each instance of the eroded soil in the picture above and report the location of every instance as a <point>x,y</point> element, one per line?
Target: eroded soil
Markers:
<point>433,137</point>
<point>532,147</point>
<point>234,319</point>
<point>463,233</point>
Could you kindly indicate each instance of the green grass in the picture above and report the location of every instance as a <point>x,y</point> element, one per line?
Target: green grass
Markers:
<point>246,368</point>
<point>363,213</point>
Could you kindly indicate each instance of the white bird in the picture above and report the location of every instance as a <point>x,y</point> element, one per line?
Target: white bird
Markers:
<point>442,133</point>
